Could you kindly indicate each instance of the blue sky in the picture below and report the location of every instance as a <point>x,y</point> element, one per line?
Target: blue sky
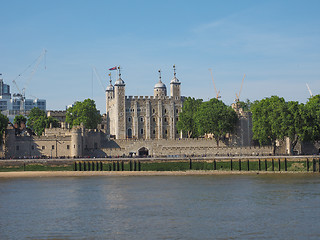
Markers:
<point>275,43</point>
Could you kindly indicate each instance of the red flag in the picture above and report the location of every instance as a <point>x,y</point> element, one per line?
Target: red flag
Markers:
<point>114,68</point>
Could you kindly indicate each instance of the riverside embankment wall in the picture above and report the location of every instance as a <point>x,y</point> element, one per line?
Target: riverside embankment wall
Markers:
<point>180,147</point>
<point>264,164</point>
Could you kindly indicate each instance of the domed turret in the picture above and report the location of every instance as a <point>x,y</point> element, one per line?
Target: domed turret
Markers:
<point>160,89</point>
<point>160,85</point>
<point>110,88</point>
<point>119,82</point>
<point>175,85</point>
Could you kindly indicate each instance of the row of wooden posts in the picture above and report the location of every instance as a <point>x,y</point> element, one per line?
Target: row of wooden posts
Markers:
<point>136,165</point>
<point>98,166</point>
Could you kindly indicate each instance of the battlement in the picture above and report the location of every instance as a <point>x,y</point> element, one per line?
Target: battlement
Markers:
<point>147,97</point>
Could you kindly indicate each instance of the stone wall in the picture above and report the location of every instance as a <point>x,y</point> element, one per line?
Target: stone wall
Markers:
<point>182,147</point>
<point>80,142</point>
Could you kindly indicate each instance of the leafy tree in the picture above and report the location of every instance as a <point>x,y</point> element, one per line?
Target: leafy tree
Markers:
<point>38,121</point>
<point>187,123</point>
<point>84,112</point>
<point>3,124</point>
<point>269,120</point>
<point>18,119</point>
<point>217,118</point>
<point>293,121</point>
<point>311,119</point>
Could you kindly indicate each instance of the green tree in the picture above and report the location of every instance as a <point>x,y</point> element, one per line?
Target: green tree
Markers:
<point>293,122</point>
<point>38,121</point>
<point>269,120</point>
<point>311,119</point>
<point>217,118</point>
<point>84,112</point>
<point>3,124</point>
<point>18,119</point>
<point>187,123</point>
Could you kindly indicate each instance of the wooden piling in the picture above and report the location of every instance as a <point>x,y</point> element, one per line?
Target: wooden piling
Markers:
<point>248,165</point>
<point>272,164</point>
<point>75,166</point>
<point>279,164</point>
<point>239,164</point>
<point>190,163</point>
<point>113,166</point>
<point>122,165</point>
<point>307,163</point>
<point>265,165</point>
<point>259,164</point>
<point>231,165</point>
<point>214,164</point>
<point>314,165</point>
<point>285,165</point>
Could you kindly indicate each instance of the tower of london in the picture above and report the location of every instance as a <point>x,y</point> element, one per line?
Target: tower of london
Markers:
<point>138,117</point>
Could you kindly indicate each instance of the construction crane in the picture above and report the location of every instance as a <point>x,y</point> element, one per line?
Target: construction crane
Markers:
<point>99,78</point>
<point>311,95</point>
<point>215,89</point>
<point>238,95</point>
<point>35,63</point>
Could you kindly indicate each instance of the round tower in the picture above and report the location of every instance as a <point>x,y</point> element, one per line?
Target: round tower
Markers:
<point>120,110</point>
<point>160,89</point>
<point>76,142</point>
<point>109,94</point>
<point>109,100</point>
<point>175,86</point>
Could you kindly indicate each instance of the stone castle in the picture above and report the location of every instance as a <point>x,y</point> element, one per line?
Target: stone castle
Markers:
<point>136,117</point>
<point>136,126</point>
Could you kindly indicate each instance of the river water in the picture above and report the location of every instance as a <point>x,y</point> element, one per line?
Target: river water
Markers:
<point>272,206</point>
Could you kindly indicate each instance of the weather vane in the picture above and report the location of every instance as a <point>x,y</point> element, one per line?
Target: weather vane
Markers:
<point>119,72</point>
<point>159,74</point>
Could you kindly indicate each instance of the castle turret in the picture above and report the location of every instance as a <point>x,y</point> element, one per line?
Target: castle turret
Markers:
<point>120,113</point>
<point>109,100</point>
<point>76,142</point>
<point>175,85</point>
<point>160,89</point>
<point>109,93</point>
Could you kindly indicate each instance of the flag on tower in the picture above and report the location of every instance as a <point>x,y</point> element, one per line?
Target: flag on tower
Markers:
<point>114,68</point>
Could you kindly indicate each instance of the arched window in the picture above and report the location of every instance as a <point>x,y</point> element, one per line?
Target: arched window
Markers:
<point>129,133</point>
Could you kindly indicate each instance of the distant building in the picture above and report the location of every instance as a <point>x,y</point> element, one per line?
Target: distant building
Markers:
<point>17,104</point>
